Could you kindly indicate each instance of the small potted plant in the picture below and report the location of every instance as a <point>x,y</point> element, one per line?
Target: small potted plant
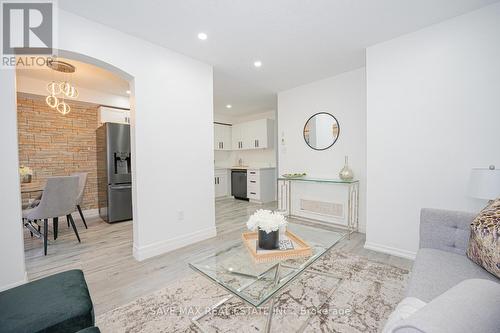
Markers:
<point>25,173</point>
<point>268,224</point>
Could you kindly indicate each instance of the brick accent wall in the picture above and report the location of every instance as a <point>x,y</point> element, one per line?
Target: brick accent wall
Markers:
<point>55,145</point>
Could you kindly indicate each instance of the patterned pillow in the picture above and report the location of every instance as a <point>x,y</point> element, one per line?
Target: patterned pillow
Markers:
<point>484,248</point>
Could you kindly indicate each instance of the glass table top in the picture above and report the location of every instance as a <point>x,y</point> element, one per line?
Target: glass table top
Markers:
<point>319,180</point>
<point>234,269</point>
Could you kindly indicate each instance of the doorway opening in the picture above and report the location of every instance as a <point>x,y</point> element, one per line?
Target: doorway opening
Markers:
<point>245,167</point>
<point>75,123</point>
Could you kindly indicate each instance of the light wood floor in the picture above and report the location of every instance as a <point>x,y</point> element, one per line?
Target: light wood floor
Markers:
<point>116,278</point>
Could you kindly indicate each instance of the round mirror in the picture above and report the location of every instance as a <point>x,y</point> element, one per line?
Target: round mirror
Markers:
<point>321,131</point>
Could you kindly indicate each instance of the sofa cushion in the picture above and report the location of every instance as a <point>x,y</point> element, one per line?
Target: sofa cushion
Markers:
<point>57,303</point>
<point>445,229</point>
<point>404,309</point>
<point>469,307</point>
<point>435,271</point>
<point>484,247</point>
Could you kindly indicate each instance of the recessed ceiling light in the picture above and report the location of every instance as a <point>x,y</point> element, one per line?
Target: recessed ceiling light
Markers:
<point>202,36</point>
<point>128,92</point>
<point>229,106</point>
<point>257,63</point>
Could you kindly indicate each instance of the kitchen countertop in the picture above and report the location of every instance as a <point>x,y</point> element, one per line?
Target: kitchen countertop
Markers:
<point>243,167</point>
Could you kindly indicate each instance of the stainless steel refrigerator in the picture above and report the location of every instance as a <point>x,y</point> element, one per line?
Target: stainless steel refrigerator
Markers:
<point>114,173</point>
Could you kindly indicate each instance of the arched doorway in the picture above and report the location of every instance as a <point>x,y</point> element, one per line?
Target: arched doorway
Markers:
<point>80,58</point>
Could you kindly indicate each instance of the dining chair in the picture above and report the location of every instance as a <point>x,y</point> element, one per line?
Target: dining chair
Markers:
<point>36,231</point>
<point>33,231</point>
<point>59,199</point>
<point>82,181</point>
<point>33,203</point>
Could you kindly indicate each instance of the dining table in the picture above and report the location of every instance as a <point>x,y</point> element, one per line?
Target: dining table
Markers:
<point>32,187</point>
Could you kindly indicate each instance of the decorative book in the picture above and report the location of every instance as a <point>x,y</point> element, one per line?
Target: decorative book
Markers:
<point>292,246</point>
<point>286,244</point>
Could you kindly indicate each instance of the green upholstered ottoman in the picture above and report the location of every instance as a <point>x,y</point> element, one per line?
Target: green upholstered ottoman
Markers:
<point>57,303</point>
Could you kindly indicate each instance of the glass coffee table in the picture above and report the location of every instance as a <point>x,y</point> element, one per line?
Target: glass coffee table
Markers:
<point>234,269</point>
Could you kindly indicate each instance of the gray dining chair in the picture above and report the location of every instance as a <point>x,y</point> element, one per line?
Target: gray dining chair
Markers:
<point>59,199</point>
<point>82,181</point>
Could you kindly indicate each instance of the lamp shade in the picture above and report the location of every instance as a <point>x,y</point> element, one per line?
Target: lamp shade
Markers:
<point>484,183</point>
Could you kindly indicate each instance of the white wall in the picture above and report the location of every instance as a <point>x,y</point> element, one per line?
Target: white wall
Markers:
<point>234,119</point>
<point>258,158</point>
<point>38,87</point>
<point>344,96</point>
<point>433,114</point>
<point>12,271</point>
<point>223,118</point>
<point>173,95</point>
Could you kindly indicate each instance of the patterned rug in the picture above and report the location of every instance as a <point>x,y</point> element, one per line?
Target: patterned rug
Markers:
<point>355,295</point>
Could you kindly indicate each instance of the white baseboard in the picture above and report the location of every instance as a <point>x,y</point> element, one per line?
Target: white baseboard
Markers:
<point>144,252</point>
<point>390,250</point>
<point>15,284</point>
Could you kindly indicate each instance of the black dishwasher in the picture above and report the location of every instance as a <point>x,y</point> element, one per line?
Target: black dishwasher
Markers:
<point>239,184</point>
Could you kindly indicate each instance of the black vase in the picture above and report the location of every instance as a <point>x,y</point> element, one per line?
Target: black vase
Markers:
<point>269,241</point>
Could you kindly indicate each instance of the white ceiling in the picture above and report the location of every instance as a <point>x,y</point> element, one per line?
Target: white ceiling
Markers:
<point>298,41</point>
<point>86,76</point>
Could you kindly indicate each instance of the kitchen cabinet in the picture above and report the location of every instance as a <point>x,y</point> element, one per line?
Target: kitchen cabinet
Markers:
<point>221,181</point>
<point>260,134</point>
<point>239,130</point>
<point>111,115</point>
<point>257,134</point>
<point>222,137</point>
<point>261,185</point>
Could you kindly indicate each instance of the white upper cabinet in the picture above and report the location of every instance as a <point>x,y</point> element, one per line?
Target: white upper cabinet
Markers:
<point>111,115</point>
<point>222,137</point>
<point>260,134</point>
<point>257,134</point>
<point>237,139</point>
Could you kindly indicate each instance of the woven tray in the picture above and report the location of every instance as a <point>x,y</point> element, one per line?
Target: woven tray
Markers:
<point>301,248</point>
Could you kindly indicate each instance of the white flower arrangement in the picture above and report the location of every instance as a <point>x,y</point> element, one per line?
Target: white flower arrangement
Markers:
<point>266,220</point>
<point>25,171</point>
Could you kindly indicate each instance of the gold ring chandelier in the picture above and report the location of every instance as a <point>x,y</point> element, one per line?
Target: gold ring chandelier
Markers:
<point>59,90</point>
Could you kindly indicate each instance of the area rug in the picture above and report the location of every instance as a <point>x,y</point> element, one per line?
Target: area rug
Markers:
<point>340,293</point>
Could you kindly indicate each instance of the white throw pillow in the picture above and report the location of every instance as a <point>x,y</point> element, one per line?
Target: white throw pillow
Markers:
<point>404,309</point>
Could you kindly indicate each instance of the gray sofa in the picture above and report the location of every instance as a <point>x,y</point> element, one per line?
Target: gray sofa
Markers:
<point>460,295</point>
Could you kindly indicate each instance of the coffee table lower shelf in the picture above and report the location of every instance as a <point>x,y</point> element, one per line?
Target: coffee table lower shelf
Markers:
<point>234,270</point>
<point>267,329</point>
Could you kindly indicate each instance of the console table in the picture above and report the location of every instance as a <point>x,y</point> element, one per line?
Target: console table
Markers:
<point>285,199</point>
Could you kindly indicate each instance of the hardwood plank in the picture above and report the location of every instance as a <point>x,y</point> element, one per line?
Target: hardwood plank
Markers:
<point>115,278</point>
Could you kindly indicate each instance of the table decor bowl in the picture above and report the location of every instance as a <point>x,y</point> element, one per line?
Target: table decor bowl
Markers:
<point>294,175</point>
